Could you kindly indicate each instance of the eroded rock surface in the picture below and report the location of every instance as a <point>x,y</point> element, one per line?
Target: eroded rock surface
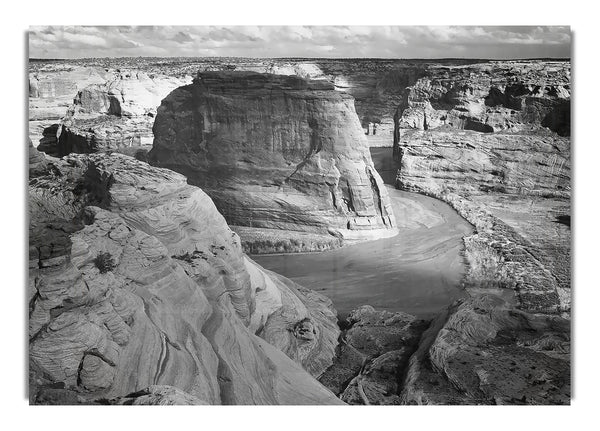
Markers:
<point>136,281</point>
<point>372,355</point>
<point>52,88</point>
<point>114,115</point>
<point>484,351</point>
<point>490,97</point>
<point>492,140</point>
<point>275,152</point>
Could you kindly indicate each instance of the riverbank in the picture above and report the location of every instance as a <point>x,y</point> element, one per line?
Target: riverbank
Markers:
<point>419,271</point>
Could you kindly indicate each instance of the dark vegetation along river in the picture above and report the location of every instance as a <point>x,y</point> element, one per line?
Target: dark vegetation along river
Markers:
<point>418,271</point>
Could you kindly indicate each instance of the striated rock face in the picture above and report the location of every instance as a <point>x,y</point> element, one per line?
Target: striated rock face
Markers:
<point>490,97</point>
<point>275,152</point>
<point>483,351</point>
<point>515,190</point>
<point>476,163</point>
<point>115,115</point>
<point>492,140</point>
<point>377,86</point>
<point>136,281</point>
<point>51,92</point>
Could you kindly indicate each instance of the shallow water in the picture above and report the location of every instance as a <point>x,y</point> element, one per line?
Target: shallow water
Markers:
<point>418,271</point>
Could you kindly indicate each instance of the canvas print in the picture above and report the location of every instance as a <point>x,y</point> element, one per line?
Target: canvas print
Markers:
<point>299,215</point>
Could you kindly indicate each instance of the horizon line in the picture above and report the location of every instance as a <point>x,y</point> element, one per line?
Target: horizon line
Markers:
<point>302,58</point>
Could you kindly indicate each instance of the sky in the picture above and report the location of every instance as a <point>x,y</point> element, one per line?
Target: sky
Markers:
<point>494,42</point>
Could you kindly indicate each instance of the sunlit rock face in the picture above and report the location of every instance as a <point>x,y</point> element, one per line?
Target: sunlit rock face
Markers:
<point>276,152</point>
<point>490,97</point>
<point>136,281</point>
<point>52,88</point>
<point>114,115</point>
<point>492,140</point>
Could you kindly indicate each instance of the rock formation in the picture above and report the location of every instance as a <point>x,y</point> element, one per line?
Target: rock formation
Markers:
<point>136,281</point>
<point>486,138</point>
<point>275,152</point>
<point>115,115</point>
<point>490,97</point>
<point>480,350</point>
<point>51,92</point>
<point>372,356</point>
<point>483,351</point>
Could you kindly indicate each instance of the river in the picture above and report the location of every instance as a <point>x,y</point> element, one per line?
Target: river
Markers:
<point>418,271</point>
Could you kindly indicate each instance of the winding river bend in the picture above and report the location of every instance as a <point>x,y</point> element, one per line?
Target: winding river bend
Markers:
<point>418,271</point>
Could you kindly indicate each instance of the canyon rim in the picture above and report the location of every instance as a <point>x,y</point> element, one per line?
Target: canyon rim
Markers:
<point>219,227</point>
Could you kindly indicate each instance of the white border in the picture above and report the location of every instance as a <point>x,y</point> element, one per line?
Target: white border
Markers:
<point>18,16</point>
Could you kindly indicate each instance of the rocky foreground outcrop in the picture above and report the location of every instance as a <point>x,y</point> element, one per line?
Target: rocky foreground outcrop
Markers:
<point>139,293</point>
<point>480,350</point>
<point>484,351</point>
<point>114,115</point>
<point>274,152</point>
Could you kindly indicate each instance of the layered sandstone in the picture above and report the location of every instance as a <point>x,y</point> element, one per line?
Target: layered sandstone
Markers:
<point>274,152</point>
<point>377,86</point>
<point>136,281</point>
<point>51,92</point>
<point>114,115</point>
<point>492,140</point>
<point>490,97</point>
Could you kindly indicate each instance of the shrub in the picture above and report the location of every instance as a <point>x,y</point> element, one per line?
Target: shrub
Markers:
<point>104,262</point>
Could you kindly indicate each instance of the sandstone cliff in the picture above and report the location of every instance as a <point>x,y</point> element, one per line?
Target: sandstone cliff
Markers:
<point>490,97</point>
<point>136,281</point>
<point>51,92</point>
<point>114,115</point>
<point>275,152</point>
<point>377,86</point>
<point>486,138</point>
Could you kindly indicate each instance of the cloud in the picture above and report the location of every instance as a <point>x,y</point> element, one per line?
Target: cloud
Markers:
<point>301,41</point>
<point>182,37</point>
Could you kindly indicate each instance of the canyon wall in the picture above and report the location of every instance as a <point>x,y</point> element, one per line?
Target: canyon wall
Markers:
<point>114,115</point>
<point>490,97</point>
<point>492,140</point>
<point>274,152</point>
<point>52,88</point>
<point>139,293</point>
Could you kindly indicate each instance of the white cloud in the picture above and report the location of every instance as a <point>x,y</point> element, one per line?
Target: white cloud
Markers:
<point>299,41</point>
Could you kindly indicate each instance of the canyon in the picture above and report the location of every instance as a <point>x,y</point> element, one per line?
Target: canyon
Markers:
<point>167,214</point>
